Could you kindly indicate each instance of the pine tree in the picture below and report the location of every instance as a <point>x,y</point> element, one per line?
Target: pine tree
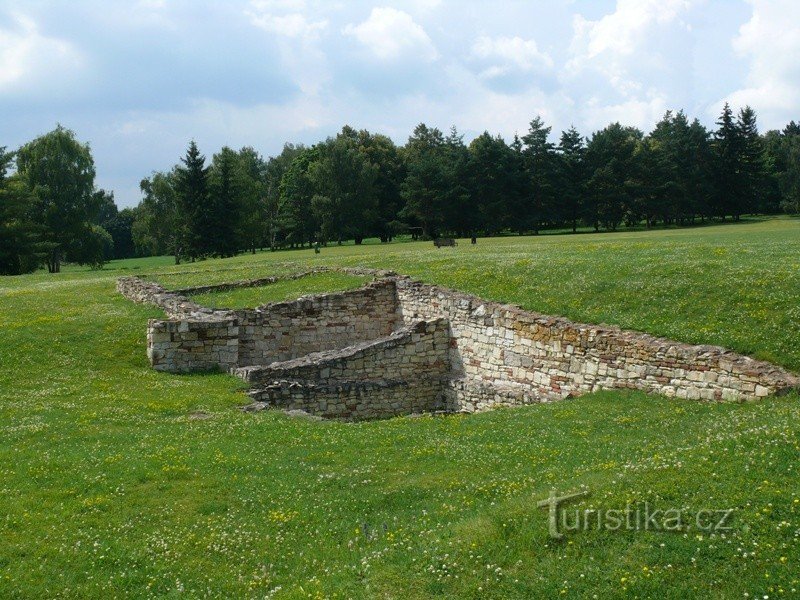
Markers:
<point>571,175</point>
<point>611,160</point>
<point>540,162</point>
<point>424,188</point>
<point>252,202</point>
<point>275,226</point>
<point>383,154</point>
<point>296,221</point>
<point>461,214</point>
<point>490,164</point>
<point>753,163</point>
<point>195,214</point>
<point>343,181</point>
<point>701,180</point>
<point>224,202</point>
<point>728,171</point>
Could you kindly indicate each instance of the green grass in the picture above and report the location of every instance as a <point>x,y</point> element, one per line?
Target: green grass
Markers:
<point>111,485</point>
<point>281,290</point>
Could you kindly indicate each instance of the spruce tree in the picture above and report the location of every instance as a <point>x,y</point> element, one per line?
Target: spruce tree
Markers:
<point>195,214</point>
<point>423,189</point>
<point>571,175</point>
<point>728,171</point>
<point>752,163</point>
<point>224,202</point>
<point>701,180</point>
<point>540,162</point>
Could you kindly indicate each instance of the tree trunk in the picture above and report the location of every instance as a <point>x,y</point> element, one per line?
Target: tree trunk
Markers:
<point>54,262</point>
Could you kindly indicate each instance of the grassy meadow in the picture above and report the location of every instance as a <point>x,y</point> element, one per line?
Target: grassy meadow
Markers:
<point>118,481</point>
<point>316,283</point>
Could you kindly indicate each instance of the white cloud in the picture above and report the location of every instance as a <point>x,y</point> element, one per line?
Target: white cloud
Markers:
<point>770,41</point>
<point>625,65</point>
<point>641,113</point>
<point>620,42</point>
<point>506,54</point>
<point>623,31</point>
<point>298,40</point>
<point>390,34</point>
<point>28,58</point>
<point>285,18</point>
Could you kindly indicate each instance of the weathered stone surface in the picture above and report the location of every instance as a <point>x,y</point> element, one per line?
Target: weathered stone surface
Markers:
<point>554,358</point>
<point>397,346</point>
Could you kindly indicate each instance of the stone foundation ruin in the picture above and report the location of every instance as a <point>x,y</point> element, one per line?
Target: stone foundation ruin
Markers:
<point>397,346</point>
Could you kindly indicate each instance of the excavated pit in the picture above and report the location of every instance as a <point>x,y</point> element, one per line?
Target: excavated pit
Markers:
<point>397,346</point>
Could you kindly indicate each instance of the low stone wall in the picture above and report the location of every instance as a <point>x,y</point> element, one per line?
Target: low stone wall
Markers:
<point>352,400</point>
<point>548,358</point>
<point>403,373</point>
<point>193,345</point>
<point>270,333</point>
<point>286,330</point>
<point>177,306</point>
<point>418,350</point>
<point>397,346</point>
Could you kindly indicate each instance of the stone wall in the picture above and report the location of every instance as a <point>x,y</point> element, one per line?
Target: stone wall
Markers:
<point>506,355</point>
<point>286,330</point>
<point>193,345</point>
<point>397,346</point>
<point>351,400</point>
<point>402,373</point>
<point>190,340</point>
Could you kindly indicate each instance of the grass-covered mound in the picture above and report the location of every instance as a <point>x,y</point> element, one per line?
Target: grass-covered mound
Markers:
<point>120,481</point>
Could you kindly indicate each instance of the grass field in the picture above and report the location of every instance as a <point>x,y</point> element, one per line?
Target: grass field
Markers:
<point>280,290</point>
<point>119,481</point>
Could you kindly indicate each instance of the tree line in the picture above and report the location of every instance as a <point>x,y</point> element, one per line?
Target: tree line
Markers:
<point>50,209</point>
<point>360,184</point>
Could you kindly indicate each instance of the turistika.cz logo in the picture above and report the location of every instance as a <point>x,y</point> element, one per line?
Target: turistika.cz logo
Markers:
<point>642,517</point>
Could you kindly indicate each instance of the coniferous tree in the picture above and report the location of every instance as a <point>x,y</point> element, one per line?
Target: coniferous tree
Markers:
<point>461,215</point>
<point>297,222</point>
<point>343,182</point>
<point>120,228</point>
<point>728,170</point>
<point>423,189</point>
<point>610,157</point>
<point>668,154</point>
<point>360,184</point>
<point>539,155</point>
<point>701,180</point>
<point>572,175</point>
<point>252,201</point>
<point>784,154</point>
<point>275,211</point>
<point>224,202</point>
<point>753,164</point>
<point>490,167</point>
<point>195,211</point>
<point>382,153</point>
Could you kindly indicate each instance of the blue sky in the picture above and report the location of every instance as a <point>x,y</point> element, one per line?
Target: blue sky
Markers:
<point>139,79</point>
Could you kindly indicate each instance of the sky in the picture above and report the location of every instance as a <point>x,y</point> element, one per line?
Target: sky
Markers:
<point>139,79</point>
